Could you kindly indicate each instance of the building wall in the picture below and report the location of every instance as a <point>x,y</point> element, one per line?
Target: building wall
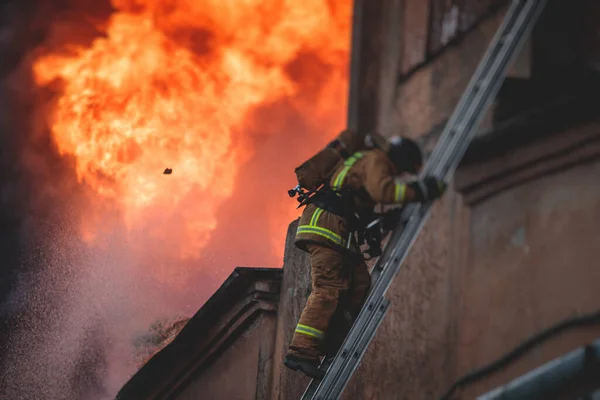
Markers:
<point>532,262</point>
<point>225,351</point>
<point>426,99</point>
<point>295,287</point>
<point>481,277</point>
<point>440,44</point>
<point>410,355</point>
<point>484,277</point>
<point>234,375</point>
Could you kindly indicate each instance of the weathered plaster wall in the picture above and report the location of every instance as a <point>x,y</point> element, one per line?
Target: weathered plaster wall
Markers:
<point>427,99</point>
<point>533,261</point>
<point>287,384</point>
<point>235,373</point>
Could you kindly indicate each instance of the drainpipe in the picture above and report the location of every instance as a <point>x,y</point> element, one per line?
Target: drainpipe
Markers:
<point>595,395</point>
<point>576,369</point>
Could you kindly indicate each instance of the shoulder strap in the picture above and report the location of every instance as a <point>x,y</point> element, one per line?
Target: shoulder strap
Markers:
<point>338,181</point>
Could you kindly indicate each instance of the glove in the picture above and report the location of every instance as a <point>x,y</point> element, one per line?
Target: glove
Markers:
<point>428,189</point>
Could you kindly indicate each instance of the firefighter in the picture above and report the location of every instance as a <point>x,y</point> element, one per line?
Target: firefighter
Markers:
<point>339,274</point>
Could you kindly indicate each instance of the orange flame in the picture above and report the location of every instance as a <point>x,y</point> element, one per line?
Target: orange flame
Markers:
<point>171,85</point>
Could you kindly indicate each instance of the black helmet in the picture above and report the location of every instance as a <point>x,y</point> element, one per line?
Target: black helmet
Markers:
<point>405,154</point>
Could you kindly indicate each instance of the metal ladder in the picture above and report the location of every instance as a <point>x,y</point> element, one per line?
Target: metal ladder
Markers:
<point>458,132</point>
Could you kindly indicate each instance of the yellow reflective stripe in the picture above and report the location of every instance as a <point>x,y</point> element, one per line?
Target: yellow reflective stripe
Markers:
<point>399,192</point>
<point>353,159</point>
<point>326,233</point>
<point>315,217</point>
<point>339,180</point>
<point>307,330</point>
<point>317,230</point>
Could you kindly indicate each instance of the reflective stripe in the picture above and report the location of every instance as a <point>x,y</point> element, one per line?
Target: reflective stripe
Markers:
<point>353,159</point>
<point>307,330</point>
<point>326,233</point>
<point>399,192</point>
<point>313,228</point>
<point>315,217</point>
<point>339,180</point>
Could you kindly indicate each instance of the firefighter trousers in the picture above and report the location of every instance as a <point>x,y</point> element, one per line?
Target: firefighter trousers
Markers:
<point>340,283</point>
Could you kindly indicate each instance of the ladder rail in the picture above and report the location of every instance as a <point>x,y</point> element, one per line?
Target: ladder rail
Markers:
<point>366,336</point>
<point>450,148</point>
<point>483,96</point>
<point>470,103</point>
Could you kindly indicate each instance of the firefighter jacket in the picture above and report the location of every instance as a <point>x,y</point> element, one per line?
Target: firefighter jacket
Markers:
<point>371,176</point>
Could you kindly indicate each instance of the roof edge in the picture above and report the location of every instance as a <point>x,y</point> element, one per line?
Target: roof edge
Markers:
<point>245,293</point>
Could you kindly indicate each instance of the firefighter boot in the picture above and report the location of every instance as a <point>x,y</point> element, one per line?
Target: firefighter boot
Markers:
<point>339,327</point>
<point>307,366</point>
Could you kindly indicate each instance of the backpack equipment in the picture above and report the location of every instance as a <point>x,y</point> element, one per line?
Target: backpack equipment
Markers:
<point>317,170</point>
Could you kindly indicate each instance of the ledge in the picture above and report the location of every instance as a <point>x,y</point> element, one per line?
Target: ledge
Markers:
<point>533,144</point>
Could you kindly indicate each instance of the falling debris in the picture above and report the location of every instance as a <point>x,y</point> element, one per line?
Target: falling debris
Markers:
<point>168,171</point>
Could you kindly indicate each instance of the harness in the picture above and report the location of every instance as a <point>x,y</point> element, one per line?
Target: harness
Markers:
<point>366,227</point>
<point>335,199</point>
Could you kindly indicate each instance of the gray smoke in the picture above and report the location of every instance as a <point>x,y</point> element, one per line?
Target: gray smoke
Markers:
<point>69,312</point>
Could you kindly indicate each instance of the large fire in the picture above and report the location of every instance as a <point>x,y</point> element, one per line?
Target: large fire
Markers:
<point>176,84</point>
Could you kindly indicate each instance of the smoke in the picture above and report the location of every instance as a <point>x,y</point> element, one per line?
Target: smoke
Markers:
<point>281,144</point>
<point>57,344</point>
<point>76,308</point>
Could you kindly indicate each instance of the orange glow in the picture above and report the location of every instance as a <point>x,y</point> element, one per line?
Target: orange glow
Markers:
<point>172,84</point>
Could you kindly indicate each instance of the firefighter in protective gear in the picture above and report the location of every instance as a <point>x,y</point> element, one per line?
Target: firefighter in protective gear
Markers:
<point>340,278</point>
